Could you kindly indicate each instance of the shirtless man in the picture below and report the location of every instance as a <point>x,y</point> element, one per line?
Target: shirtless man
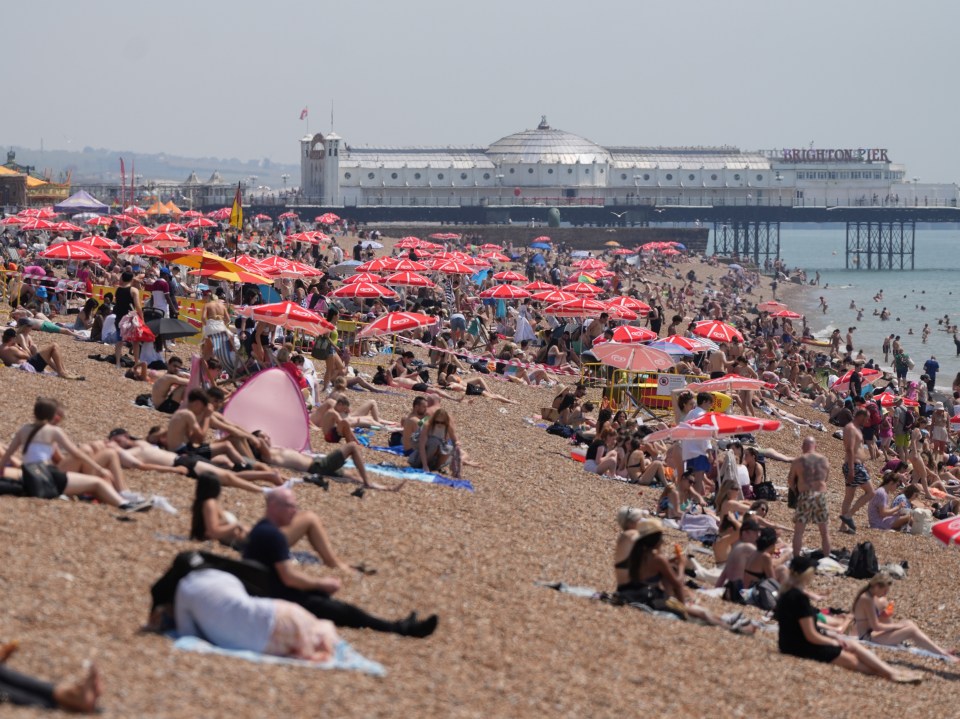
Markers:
<point>413,422</point>
<point>140,454</point>
<point>855,475</point>
<point>187,433</point>
<point>167,392</point>
<point>12,354</point>
<point>732,576</point>
<point>717,363</point>
<point>808,476</point>
<point>335,422</point>
<point>367,413</point>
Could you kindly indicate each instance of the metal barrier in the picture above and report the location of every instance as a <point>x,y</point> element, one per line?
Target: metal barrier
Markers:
<point>641,391</point>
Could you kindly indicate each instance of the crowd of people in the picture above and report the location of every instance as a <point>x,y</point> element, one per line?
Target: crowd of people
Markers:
<point>897,439</point>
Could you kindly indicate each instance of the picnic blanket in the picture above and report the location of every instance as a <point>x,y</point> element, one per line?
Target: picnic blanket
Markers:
<point>344,657</point>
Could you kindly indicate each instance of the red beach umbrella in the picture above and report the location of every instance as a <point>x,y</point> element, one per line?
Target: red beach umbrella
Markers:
<point>394,322</point>
<point>734,423</point>
<point>628,334</point>
<point>504,292</point>
<point>716,330</point>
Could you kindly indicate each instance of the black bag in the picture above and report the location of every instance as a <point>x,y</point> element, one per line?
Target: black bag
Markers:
<point>38,481</point>
<point>863,561</point>
<point>143,400</point>
<point>37,477</point>
<point>396,439</point>
<point>764,594</point>
<point>792,497</point>
<point>765,490</point>
<point>561,430</point>
<point>321,348</point>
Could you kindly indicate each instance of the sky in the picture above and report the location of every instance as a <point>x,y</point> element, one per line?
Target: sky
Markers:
<point>229,79</point>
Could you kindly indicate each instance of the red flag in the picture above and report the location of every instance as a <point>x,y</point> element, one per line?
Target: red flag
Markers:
<point>303,114</point>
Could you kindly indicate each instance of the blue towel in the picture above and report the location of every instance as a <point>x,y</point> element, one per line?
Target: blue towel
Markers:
<point>344,656</point>
<point>398,450</point>
<point>417,475</point>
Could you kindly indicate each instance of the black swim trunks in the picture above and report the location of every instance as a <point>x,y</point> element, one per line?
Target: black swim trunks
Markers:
<point>200,450</point>
<point>168,406</point>
<point>474,390</point>
<point>38,363</point>
<point>190,462</point>
<point>329,464</point>
<point>420,387</point>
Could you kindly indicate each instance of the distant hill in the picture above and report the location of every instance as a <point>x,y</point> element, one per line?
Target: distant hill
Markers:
<point>101,165</point>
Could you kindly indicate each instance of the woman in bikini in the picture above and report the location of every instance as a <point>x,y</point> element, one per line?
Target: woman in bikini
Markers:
<point>448,379</point>
<point>209,521</point>
<point>652,580</point>
<point>728,499</point>
<point>762,564</point>
<point>384,378</point>
<point>640,468</point>
<point>872,610</point>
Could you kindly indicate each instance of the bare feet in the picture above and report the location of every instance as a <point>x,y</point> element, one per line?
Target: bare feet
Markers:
<point>6,650</point>
<point>81,695</point>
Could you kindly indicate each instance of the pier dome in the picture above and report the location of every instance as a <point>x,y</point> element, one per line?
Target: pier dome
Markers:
<point>546,145</point>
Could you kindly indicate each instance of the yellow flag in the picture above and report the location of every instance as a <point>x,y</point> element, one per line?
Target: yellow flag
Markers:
<point>236,212</point>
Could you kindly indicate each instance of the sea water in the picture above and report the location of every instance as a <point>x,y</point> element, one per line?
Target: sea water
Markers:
<point>913,297</point>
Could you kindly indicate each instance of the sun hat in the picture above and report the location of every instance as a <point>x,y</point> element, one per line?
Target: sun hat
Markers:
<point>646,527</point>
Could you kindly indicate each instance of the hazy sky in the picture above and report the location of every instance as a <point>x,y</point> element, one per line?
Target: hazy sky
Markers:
<point>229,79</point>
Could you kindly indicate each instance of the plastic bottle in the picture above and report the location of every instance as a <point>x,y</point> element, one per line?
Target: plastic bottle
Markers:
<point>888,610</point>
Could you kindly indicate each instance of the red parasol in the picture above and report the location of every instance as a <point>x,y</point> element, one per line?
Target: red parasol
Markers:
<point>716,330</point>
<point>734,423</point>
<point>394,322</point>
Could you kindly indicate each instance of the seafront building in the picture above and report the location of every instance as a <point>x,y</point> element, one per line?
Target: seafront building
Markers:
<point>549,166</point>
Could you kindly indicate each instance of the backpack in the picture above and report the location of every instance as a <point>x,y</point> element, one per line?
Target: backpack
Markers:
<point>863,561</point>
<point>764,594</point>
<point>874,414</point>
<point>908,420</point>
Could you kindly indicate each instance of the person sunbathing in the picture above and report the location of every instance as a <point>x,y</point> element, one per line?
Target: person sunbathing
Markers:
<point>209,521</point>
<point>75,695</point>
<point>187,430</point>
<point>655,582</point>
<point>39,441</point>
<point>215,605</point>
<point>800,636</point>
<point>142,454</point>
<point>167,391</point>
<point>872,610</point>
<point>728,499</point>
<point>474,387</point>
<point>13,354</point>
<point>384,378</point>
<point>640,468</point>
<point>363,416</point>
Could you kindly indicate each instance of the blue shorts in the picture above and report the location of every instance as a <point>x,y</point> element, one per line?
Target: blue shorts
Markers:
<point>700,463</point>
<point>458,323</point>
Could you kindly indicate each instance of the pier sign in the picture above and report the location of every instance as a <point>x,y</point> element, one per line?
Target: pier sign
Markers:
<point>859,154</point>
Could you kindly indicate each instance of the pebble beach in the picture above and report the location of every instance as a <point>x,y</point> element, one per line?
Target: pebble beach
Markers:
<point>75,581</point>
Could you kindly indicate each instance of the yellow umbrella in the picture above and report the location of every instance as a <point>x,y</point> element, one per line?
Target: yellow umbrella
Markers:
<point>612,243</point>
<point>206,262</point>
<point>230,276</point>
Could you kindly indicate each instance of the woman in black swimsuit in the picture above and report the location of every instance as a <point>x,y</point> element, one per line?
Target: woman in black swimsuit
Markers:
<point>650,578</point>
<point>801,637</point>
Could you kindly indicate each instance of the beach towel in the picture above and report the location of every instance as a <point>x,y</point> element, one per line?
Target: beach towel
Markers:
<point>417,475</point>
<point>344,657</point>
<point>590,593</point>
<point>272,402</point>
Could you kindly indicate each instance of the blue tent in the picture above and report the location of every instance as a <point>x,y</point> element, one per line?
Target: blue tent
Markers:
<point>540,246</point>
<point>538,259</point>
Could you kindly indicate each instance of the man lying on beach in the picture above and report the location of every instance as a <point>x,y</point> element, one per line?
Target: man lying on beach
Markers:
<point>14,354</point>
<point>140,454</point>
<point>187,436</point>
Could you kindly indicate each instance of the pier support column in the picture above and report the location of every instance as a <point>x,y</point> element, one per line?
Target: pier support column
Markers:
<point>747,240</point>
<point>880,245</point>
